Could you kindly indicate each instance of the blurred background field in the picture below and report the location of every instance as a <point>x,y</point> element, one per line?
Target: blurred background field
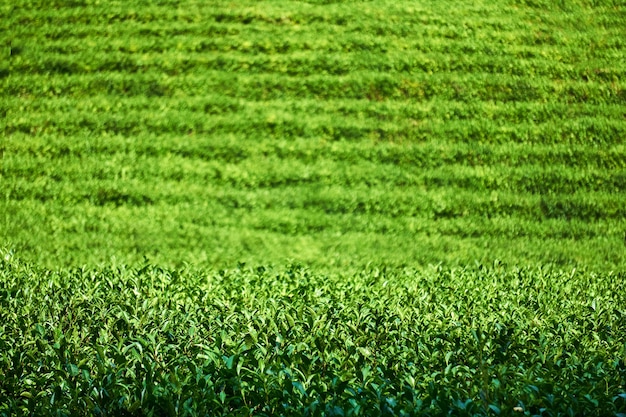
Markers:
<point>333,134</point>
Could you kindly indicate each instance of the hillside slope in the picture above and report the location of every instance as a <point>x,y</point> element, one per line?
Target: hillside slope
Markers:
<point>332,133</point>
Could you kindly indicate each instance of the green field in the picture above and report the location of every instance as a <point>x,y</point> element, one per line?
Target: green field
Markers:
<point>267,342</point>
<point>403,133</point>
<point>429,162</point>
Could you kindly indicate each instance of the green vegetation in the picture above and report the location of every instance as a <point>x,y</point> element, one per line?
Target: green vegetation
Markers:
<point>390,148</point>
<point>328,133</point>
<point>481,341</point>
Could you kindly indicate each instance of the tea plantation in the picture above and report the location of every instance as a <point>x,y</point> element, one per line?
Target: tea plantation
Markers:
<point>323,207</point>
<point>148,341</point>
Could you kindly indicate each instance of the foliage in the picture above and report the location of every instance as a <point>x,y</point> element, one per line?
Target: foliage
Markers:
<point>333,133</point>
<point>267,341</point>
<point>363,139</point>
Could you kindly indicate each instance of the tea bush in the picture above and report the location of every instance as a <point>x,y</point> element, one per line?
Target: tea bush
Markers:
<point>491,340</point>
<point>329,133</point>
